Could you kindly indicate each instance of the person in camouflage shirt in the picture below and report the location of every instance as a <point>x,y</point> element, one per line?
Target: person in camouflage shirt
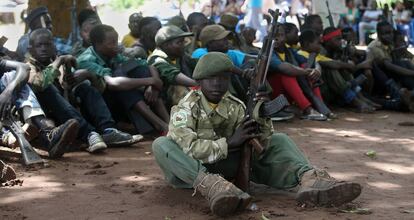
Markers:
<point>207,129</point>
<point>15,92</point>
<point>175,68</point>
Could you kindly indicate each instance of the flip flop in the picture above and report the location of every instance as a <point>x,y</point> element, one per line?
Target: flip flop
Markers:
<point>7,173</point>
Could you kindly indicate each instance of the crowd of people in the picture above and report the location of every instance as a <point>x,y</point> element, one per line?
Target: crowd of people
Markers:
<point>186,82</point>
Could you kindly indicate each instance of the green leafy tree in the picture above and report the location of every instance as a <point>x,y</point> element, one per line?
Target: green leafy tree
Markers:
<point>125,4</point>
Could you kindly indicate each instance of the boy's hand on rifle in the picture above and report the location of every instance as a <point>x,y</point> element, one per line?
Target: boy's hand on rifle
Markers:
<point>243,133</point>
<point>248,73</point>
<point>67,60</point>
<point>5,104</point>
<point>77,77</point>
<point>262,96</point>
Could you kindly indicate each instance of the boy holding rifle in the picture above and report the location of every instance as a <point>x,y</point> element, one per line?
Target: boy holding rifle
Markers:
<point>207,130</point>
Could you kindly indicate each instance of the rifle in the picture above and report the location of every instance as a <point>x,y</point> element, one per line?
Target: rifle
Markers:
<point>74,22</point>
<point>329,17</point>
<point>256,109</point>
<point>29,156</point>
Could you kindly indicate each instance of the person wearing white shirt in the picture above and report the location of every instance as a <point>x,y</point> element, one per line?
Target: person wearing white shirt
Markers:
<point>368,22</point>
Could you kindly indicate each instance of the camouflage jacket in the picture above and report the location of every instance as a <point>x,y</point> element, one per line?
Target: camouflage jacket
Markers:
<point>202,131</point>
<point>168,68</point>
<point>41,76</point>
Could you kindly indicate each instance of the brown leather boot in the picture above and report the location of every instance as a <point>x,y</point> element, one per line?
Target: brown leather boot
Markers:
<point>224,198</point>
<point>320,189</point>
<point>7,172</point>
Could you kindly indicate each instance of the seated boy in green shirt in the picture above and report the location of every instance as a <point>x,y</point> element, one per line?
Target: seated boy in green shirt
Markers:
<point>132,82</point>
<point>174,66</point>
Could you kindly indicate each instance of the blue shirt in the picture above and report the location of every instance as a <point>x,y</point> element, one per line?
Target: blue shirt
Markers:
<point>275,60</point>
<point>255,4</point>
<point>236,56</point>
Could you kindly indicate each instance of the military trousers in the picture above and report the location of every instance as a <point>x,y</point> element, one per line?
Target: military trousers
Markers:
<point>335,85</point>
<point>281,166</point>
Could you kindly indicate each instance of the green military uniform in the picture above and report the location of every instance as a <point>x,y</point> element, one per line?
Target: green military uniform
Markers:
<point>336,84</point>
<point>198,132</point>
<point>169,68</point>
<point>40,76</point>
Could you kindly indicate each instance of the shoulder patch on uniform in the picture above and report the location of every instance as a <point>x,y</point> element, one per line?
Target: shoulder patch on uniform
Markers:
<point>179,119</point>
<point>234,98</point>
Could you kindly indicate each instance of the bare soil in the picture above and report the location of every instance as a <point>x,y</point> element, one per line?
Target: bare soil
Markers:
<point>126,183</point>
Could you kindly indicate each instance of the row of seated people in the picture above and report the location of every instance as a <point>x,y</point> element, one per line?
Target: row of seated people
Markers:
<point>208,128</point>
<point>100,84</point>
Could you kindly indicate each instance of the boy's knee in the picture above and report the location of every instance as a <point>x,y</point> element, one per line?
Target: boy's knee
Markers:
<point>280,137</point>
<point>160,145</point>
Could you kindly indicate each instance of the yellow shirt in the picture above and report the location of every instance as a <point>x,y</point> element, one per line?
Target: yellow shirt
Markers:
<point>212,105</point>
<point>319,57</point>
<point>128,40</point>
<point>282,56</point>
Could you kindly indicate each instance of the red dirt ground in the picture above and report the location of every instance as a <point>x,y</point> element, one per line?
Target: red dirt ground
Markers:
<point>126,183</point>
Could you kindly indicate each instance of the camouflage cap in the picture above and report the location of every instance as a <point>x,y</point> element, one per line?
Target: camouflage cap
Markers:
<point>213,32</point>
<point>212,64</point>
<point>178,21</point>
<point>168,33</point>
<point>229,20</point>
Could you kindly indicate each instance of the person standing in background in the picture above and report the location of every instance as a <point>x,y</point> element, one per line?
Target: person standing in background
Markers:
<point>368,22</point>
<point>254,17</point>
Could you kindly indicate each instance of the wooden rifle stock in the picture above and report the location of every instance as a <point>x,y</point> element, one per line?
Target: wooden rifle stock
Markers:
<point>262,63</point>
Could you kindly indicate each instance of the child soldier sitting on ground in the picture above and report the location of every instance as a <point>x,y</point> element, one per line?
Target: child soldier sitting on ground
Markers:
<point>400,51</point>
<point>214,39</point>
<point>391,77</point>
<point>45,71</point>
<point>147,28</point>
<point>292,35</point>
<point>85,29</point>
<point>339,83</point>
<point>196,21</point>
<point>132,37</point>
<point>310,44</point>
<point>229,22</point>
<point>174,66</point>
<point>15,92</point>
<point>132,82</point>
<point>249,35</point>
<point>207,130</point>
<point>283,72</point>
